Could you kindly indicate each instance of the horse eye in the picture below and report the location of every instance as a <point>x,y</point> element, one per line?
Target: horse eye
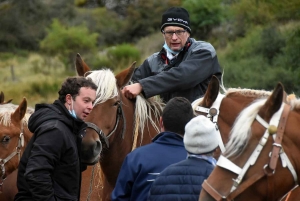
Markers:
<point>5,139</point>
<point>117,103</point>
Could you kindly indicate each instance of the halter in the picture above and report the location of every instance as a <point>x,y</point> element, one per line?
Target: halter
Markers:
<point>8,158</point>
<point>213,114</point>
<point>279,118</point>
<point>102,136</point>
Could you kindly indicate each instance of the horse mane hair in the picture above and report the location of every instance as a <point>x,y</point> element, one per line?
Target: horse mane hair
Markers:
<point>7,109</point>
<point>107,89</point>
<point>241,131</point>
<point>106,85</point>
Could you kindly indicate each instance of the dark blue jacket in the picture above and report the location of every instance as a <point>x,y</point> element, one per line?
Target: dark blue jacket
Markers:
<point>142,165</point>
<point>181,181</point>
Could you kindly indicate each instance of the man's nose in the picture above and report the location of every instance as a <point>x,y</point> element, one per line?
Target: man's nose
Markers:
<point>174,36</point>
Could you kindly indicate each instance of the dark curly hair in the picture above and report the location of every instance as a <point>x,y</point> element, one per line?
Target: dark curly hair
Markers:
<point>72,86</point>
<point>176,114</point>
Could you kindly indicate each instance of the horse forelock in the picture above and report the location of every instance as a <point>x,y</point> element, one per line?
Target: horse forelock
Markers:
<point>7,109</point>
<point>106,85</point>
<point>241,131</point>
<point>249,92</point>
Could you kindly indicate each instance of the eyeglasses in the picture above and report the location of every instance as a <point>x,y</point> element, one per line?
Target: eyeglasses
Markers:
<point>169,34</point>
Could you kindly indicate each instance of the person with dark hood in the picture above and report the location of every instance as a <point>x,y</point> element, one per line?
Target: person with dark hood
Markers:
<point>183,67</point>
<point>50,167</point>
<point>183,180</point>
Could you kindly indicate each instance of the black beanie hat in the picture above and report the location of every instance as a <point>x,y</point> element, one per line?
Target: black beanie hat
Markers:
<point>176,16</point>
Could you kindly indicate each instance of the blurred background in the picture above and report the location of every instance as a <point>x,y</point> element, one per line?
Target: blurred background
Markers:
<point>257,41</point>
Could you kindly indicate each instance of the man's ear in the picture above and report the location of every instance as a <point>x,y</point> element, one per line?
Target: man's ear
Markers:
<point>68,99</point>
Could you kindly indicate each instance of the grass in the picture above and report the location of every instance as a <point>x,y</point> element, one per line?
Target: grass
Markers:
<point>36,78</point>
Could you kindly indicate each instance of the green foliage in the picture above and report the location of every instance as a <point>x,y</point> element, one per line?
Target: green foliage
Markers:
<point>291,51</point>
<point>43,88</point>
<point>204,15</point>
<point>246,47</point>
<point>123,55</point>
<point>67,41</point>
<point>271,43</point>
<point>144,18</point>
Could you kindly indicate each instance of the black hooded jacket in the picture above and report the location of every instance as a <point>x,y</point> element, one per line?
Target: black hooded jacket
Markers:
<point>50,165</point>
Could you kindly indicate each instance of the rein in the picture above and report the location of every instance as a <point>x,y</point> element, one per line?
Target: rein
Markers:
<point>8,158</point>
<point>268,169</point>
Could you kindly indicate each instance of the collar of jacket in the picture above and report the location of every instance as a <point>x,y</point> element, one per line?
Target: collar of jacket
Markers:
<point>168,138</point>
<point>77,124</point>
<point>163,53</point>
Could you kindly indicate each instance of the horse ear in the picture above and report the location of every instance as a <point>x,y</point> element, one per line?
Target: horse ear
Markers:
<point>273,103</point>
<point>124,76</point>
<point>212,92</point>
<point>20,111</point>
<point>81,66</point>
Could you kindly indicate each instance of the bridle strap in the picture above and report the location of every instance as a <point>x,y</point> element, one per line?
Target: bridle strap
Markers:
<point>8,158</point>
<point>213,114</point>
<point>212,192</point>
<point>101,133</point>
<point>278,140</point>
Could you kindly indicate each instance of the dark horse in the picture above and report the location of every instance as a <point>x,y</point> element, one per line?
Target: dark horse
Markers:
<point>116,126</point>
<point>247,153</point>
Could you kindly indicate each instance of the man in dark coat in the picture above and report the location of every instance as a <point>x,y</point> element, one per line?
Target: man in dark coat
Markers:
<point>183,180</point>
<point>141,166</point>
<point>50,165</point>
<point>183,67</point>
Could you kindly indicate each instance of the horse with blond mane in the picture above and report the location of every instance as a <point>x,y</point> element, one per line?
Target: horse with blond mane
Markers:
<point>212,190</point>
<point>116,126</point>
<point>224,108</point>
<point>14,136</point>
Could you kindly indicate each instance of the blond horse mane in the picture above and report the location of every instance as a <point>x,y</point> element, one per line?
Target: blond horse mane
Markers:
<point>7,109</point>
<point>144,108</point>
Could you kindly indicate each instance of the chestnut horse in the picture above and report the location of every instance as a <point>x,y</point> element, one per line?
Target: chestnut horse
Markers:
<point>116,126</point>
<point>223,109</point>
<point>257,181</point>
<point>14,136</point>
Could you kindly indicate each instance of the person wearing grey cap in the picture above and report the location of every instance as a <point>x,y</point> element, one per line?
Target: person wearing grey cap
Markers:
<point>183,67</point>
<point>183,180</point>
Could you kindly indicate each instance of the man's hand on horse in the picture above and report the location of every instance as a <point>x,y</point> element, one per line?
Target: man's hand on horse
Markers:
<point>131,91</point>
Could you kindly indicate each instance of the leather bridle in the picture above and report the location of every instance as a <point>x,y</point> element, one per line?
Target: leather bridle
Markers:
<point>279,118</point>
<point>104,138</point>
<point>8,158</point>
<point>213,114</point>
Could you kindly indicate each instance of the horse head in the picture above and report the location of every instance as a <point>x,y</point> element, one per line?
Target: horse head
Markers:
<point>246,169</point>
<point>14,134</point>
<point>107,117</point>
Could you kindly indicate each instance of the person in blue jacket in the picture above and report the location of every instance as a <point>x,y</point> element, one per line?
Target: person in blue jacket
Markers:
<point>183,67</point>
<point>141,166</point>
<point>183,180</point>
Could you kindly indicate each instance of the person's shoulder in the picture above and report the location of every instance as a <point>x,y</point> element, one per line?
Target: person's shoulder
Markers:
<point>202,45</point>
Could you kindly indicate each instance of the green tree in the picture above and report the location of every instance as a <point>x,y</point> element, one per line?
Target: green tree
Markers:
<point>65,41</point>
<point>204,15</point>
